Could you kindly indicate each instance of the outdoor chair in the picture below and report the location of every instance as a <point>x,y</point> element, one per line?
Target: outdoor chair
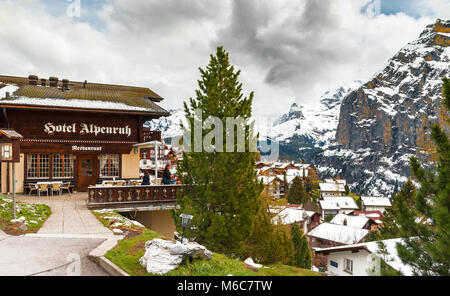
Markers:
<point>56,187</point>
<point>65,186</point>
<point>31,187</point>
<point>42,188</point>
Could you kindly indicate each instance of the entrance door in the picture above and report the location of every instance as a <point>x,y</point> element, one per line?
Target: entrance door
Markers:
<point>87,171</point>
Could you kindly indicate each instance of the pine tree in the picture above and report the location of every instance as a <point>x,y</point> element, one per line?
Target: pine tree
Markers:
<point>427,244</point>
<point>268,243</point>
<point>302,253</point>
<point>222,191</point>
<point>297,193</point>
<point>347,190</point>
<point>390,229</point>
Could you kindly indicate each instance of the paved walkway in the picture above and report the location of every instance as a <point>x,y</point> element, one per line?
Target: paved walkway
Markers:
<point>62,245</point>
<point>27,255</point>
<point>70,215</point>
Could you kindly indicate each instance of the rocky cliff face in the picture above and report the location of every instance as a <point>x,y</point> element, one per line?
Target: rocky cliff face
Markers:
<point>387,120</point>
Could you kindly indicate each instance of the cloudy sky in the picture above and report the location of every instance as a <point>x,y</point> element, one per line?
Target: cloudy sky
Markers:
<point>287,50</point>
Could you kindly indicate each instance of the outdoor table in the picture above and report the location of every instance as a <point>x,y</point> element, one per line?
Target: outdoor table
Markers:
<point>49,183</point>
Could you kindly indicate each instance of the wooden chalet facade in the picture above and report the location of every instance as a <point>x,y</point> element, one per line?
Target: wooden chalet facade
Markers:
<point>75,131</point>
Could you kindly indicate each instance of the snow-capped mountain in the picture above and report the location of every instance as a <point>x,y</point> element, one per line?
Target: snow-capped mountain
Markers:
<point>387,120</point>
<point>169,126</point>
<point>305,131</point>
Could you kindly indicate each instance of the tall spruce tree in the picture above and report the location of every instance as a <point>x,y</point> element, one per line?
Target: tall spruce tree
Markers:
<point>222,191</point>
<point>427,245</point>
<point>302,253</point>
<point>390,229</point>
<point>297,193</point>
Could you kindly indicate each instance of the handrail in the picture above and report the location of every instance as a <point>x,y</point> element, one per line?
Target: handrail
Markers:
<point>116,195</point>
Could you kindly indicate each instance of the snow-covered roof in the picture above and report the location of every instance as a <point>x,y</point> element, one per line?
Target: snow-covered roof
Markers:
<point>353,221</point>
<point>391,258</point>
<point>338,202</point>
<point>79,96</point>
<point>376,201</point>
<point>331,187</point>
<point>267,179</point>
<point>339,233</point>
<point>291,216</point>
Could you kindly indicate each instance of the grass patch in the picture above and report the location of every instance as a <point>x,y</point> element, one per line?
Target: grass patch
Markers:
<point>127,253</point>
<point>35,215</point>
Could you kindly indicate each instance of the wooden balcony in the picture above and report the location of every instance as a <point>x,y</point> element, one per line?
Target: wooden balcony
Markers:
<point>132,196</point>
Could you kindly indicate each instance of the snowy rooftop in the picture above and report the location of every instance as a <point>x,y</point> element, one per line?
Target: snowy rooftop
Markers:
<point>291,216</point>
<point>376,201</point>
<point>337,203</point>
<point>353,221</point>
<point>332,187</point>
<point>267,179</point>
<point>339,233</point>
<point>88,96</point>
<point>391,258</point>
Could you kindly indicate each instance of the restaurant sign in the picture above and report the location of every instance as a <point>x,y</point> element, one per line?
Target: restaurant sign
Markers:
<point>82,148</point>
<point>86,129</point>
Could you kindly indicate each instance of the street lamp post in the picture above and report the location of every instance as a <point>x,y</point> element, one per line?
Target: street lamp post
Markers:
<point>185,221</point>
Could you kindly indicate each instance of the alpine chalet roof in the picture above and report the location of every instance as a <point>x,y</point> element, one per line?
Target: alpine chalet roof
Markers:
<point>79,96</point>
<point>376,201</point>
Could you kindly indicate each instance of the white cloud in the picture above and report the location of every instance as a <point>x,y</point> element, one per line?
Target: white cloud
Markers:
<point>286,49</point>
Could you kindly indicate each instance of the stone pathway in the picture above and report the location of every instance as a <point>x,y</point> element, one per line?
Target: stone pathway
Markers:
<point>70,215</point>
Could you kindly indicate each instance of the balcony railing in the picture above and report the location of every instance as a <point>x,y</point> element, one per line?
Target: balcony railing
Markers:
<point>120,196</point>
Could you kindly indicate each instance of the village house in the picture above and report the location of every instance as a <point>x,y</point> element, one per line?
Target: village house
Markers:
<point>332,187</point>
<point>294,214</point>
<point>362,259</point>
<point>274,186</point>
<point>286,172</point>
<point>79,133</point>
<point>353,221</point>
<point>375,203</point>
<point>333,205</point>
<point>330,235</point>
<point>374,216</point>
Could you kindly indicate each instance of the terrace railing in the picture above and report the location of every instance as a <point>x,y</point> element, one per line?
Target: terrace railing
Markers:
<point>126,196</point>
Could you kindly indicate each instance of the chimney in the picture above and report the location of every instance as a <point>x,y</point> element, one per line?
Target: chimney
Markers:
<point>53,81</point>
<point>8,96</point>
<point>85,84</point>
<point>33,80</point>
<point>43,81</point>
<point>65,84</point>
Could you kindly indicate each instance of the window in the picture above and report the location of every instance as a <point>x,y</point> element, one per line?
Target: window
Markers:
<point>348,265</point>
<point>109,165</point>
<point>62,166</point>
<point>38,166</point>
